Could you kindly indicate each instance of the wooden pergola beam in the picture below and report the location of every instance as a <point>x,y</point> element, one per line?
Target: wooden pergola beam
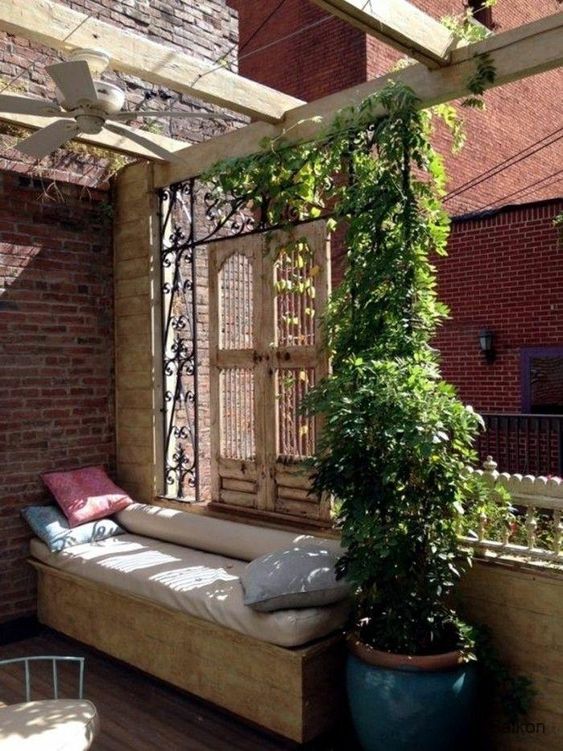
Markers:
<point>399,24</point>
<point>518,53</point>
<point>105,139</point>
<point>62,28</point>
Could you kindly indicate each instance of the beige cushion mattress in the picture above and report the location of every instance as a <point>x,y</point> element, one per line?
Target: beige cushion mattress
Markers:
<point>224,536</point>
<point>201,584</point>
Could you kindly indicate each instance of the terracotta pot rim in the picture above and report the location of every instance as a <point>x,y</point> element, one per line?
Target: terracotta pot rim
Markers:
<point>426,663</point>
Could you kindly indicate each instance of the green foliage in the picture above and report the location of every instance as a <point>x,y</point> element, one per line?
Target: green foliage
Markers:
<point>482,78</point>
<point>464,26</point>
<point>454,123</point>
<point>153,126</point>
<point>491,507</point>
<point>396,441</point>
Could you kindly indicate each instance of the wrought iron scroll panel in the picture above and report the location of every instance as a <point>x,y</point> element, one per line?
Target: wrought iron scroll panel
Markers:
<point>179,344</point>
<point>193,215</point>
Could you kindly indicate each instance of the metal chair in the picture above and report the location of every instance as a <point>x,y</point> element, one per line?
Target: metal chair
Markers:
<point>69,724</point>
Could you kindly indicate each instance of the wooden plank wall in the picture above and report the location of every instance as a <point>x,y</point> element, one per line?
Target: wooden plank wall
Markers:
<point>137,326</point>
<point>523,605</point>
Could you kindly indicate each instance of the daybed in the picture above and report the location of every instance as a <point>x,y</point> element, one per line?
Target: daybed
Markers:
<point>166,597</point>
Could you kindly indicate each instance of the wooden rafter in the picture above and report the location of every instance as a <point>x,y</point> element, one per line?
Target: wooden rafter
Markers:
<point>400,24</point>
<point>518,53</point>
<point>62,28</point>
<point>105,139</point>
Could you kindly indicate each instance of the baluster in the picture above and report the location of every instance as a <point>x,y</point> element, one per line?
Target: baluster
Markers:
<point>489,465</point>
<point>557,531</point>
<point>482,526</point>
<point>507,529</point>
<point>531,527</point>
<point>548,469</point>
<point>517,457</point>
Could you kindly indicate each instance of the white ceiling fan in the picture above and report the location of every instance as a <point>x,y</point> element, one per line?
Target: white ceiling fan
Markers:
<point>86,105</point>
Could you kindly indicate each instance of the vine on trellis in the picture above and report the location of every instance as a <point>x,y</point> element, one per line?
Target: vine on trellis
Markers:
<point>396,440</point>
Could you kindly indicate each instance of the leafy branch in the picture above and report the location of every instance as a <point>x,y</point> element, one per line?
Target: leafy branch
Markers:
<point>396,440</point>
<point>483,77</point>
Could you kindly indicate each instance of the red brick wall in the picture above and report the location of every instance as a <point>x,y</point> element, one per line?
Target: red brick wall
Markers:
<point>518,115</point>
<point>333,55</point>
<point>56,310</point>
<point>503,273</point>
<point>56,354</point>
<point>329,56</point>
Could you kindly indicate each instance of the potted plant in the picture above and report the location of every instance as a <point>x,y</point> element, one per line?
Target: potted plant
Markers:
<point>396,444</point>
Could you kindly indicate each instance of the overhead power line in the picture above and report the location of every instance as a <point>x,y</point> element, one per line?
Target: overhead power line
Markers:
<point>549,180</point>
<point>222,59</point>
<point>510,161</point>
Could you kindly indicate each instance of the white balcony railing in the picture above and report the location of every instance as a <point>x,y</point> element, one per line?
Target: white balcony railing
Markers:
<point>533,529</point>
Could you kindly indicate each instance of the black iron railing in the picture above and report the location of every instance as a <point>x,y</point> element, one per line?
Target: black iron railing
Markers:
<point>523,443</point>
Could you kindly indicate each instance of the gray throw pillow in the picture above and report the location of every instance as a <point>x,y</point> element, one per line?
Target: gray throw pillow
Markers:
<point>300,576</point>
<point>51,526</point>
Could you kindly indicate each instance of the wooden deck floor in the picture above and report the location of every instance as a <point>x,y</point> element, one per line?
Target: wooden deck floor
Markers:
<point>140,713</point>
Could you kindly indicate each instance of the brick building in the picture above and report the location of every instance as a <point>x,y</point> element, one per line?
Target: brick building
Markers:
<point>504,272</point>
<point>319,54</point>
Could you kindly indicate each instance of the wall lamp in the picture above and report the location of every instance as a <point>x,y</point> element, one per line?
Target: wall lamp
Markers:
<point>486,343</point>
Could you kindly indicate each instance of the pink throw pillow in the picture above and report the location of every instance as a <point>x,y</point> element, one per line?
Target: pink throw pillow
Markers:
<point>85,494</point>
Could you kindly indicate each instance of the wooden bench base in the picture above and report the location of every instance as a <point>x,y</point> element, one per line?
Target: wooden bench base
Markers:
<point>296,693</point>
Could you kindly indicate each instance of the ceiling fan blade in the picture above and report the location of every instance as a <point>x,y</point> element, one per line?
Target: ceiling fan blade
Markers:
<point>74,81</point>
<point>134,114</point>
<point>48,139</point>
<point>134,135</point>
<point>23,105</point>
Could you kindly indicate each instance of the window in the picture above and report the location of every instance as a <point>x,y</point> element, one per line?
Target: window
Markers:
<point>481,13</point>
<point>542,380</point>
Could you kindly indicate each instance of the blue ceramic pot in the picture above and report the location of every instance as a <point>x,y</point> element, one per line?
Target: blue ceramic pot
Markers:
<point>411,709</point>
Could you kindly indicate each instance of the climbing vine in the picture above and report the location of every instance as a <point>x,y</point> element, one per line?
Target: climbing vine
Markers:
<point>396,440</point>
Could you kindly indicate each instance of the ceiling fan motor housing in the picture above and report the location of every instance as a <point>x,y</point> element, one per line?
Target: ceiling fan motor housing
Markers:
<point>109,100</point>
<point>97,59</point>
<point>90,123</point>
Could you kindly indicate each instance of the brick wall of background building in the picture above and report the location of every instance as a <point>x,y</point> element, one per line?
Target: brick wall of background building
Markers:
<point>333,55</point>
<point>503,273</point>
<point>329,56</point>
<point>518,115</point>
<point>56,287</point>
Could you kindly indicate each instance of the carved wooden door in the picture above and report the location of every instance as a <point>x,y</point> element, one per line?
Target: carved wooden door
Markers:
<point>266,297</point>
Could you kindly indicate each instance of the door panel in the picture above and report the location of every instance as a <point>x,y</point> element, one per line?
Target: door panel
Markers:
<point>266,351</point>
